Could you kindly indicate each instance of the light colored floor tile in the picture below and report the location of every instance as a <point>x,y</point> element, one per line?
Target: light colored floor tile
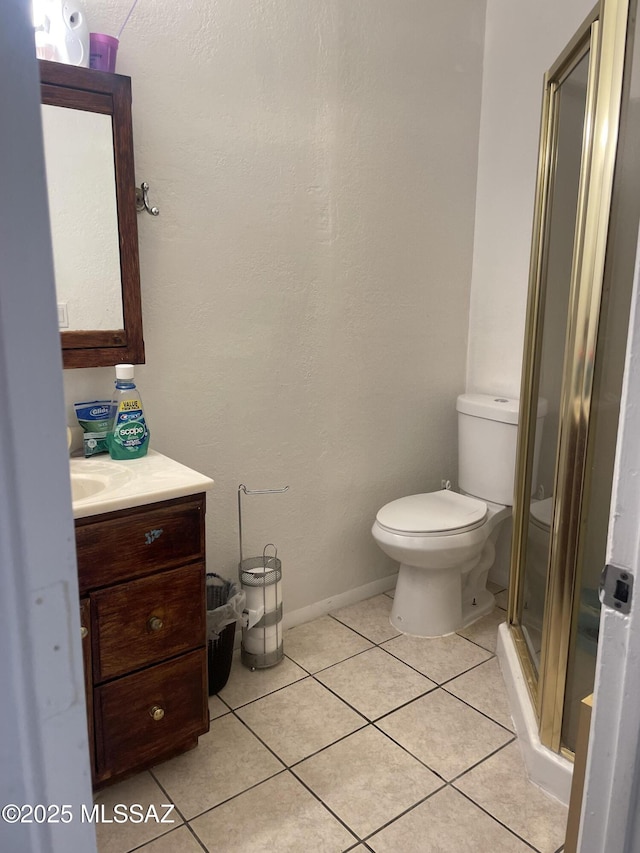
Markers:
<point>440,658</point>
<point>180,841</point>
<point>120,837</point>
<point>321,643</point>
<point>367,780</point>
<point>245,686</point>
<point>446,823</point>
<point>375,682</point>
<point>391,593</point>
<point>502,599</point>
<point>226,761</point>
<point>444,733</point>
<point>483,687</point>
<point>500,785</point>
<point>495,588</point>
<point>484,632</point>
<point>216,707</point>
<point>300,719</point>
<point>369,618</point>
<point>278,815</point>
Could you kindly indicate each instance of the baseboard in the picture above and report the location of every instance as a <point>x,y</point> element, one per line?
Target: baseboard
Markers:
<point>545,768</point>
<point>336,602</point>
<point>321,608</point>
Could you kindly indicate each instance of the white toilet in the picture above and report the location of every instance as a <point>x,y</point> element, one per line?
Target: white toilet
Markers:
<point>444,541</point>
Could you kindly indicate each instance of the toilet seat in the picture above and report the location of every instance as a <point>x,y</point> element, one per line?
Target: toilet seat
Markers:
<point>442,513</point>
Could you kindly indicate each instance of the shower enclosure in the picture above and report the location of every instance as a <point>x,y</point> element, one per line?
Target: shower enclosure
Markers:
<point>583,251</point>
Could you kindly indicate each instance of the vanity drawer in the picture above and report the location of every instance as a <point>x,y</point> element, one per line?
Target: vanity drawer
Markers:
<point>127,544</point>
<point>148,620</point>
<point>145,716</point>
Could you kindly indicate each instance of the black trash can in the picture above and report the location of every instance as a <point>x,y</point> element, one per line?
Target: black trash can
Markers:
<point>223,608</point>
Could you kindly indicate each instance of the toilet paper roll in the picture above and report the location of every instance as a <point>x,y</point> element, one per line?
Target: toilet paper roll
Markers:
<point>258,641</point>
<point>272,597</point>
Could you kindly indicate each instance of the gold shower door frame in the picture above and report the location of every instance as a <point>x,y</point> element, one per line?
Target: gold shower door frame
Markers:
<point>603,36</point>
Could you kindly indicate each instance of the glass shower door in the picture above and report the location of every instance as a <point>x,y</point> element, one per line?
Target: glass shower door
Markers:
<point>570,105</point>
<point>573,349</point>
<point>565,137</point>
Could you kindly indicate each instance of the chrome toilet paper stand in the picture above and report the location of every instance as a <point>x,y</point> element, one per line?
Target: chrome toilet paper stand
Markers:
<point>262,644</point>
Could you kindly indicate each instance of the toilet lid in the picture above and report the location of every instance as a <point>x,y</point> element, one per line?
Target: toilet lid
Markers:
<point>436,512</point>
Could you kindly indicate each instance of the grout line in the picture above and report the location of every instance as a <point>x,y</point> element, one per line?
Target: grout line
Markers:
<point>484,714</point>
<point>345,701</point>
<point>453,696</point>
<point>325,806</point>
<point>303,668</point>
<point>197,838</point>
<point>447,680</point>
<point>431,690</point>
<point>224,702</point>
<point>415,757</point>
<point>165,792</point>
<point>266,745</point>
<point>493,817</point>
<point>492,655</point>
<point>405,704</point>
<point>328,746</point>
<point>482,760</point>
<point>366,722</point>
<point>338,662</point>
<point>475,642</point>
<point>151,840</point>
<point>239,794</point>
<point>359,633</point>
<point>269,693</point>
<point>404,813</point>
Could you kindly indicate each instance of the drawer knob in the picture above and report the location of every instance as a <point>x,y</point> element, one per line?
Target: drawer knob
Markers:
<point>83,631</point>
<point>155,623</point>
<point>157,712</point>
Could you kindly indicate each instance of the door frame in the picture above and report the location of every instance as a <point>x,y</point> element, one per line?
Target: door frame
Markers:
<point>610,803</point>
<point>44,756</point>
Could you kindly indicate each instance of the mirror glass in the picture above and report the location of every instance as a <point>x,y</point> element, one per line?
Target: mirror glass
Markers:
<point>84,218</point>
<point>88,139</point>
<point>571,105</point>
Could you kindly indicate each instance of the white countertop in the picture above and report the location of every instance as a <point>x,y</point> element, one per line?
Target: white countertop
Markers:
<point>101,484</point>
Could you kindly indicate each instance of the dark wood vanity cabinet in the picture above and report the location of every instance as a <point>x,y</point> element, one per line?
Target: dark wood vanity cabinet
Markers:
<point>143,608</point>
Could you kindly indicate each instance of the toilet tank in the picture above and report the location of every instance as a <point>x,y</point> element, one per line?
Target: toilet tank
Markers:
<point>487,437</point>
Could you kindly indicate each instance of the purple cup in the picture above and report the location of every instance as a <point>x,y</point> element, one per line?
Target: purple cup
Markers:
<point>103,50</point>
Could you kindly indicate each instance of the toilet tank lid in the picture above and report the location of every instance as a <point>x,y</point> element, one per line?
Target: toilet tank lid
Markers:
<point>494,407</point>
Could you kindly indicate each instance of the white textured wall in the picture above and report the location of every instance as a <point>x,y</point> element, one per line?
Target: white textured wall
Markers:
<point>306,285</point>
<point>523,39</point>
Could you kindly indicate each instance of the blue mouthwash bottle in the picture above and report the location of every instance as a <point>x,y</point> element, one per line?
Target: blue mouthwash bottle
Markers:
<point>128,436</point>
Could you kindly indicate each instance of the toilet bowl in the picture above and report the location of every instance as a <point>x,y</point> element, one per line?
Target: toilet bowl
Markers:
<point>444,542</point>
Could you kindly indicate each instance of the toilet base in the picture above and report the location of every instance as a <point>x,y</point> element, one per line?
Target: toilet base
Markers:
<point>430,604</point>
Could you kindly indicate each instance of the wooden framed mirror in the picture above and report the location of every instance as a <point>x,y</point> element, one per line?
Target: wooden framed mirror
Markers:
<point>88,143</point>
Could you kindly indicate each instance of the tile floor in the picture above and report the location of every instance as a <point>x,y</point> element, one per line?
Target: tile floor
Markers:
<point>361,739</point>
